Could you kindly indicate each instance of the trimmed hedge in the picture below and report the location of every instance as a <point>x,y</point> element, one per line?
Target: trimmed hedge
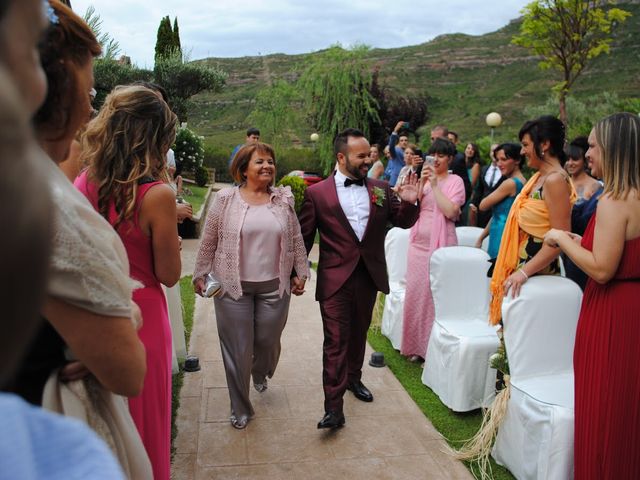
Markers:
<point>297,188</point>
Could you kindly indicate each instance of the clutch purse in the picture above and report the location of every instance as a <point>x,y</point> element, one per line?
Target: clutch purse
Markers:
<point>212,287</point>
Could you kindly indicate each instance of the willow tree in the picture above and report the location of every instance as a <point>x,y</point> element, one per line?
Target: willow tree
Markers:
<point>275,114</point>
<point>335,87</point>
<point>567,34</point>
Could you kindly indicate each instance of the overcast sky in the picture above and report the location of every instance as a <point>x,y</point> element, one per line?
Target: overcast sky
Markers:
<point>226,28</point>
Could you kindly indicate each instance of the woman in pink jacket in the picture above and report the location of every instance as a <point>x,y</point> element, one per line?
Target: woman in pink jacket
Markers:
<point>253,246</point>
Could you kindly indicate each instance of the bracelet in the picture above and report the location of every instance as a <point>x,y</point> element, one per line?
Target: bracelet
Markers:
<point>526,277</point>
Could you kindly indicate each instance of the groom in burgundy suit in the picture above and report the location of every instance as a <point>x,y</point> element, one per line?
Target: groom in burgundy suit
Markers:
<point>351,212</point>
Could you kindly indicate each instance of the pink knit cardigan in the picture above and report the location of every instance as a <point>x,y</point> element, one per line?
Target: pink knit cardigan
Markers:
<point>219,251</point>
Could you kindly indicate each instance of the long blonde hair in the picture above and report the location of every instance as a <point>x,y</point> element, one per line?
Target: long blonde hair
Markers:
<point>125,144</point>
<point>619,137</point>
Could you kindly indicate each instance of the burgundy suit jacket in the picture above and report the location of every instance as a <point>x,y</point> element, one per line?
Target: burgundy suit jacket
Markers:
<point>340,249</point>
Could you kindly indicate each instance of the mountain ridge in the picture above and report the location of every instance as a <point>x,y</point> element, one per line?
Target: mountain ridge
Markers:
<point>466,77</point>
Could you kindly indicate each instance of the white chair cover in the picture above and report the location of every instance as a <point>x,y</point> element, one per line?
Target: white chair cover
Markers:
<point>396,247</point>
<point>467,237</point>
<point>535,440</point>
<point>461,342</point>
<point>174,306</point>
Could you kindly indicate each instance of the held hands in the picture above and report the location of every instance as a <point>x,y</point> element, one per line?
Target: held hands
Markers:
<point>198,286</point>
<point>408,191</point>
<point>554,236</point>
<point>297,285</point>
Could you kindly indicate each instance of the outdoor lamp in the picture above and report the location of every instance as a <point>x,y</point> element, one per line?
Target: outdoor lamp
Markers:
<point>493,120</point>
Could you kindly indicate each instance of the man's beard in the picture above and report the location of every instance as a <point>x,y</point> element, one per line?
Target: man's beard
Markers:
<point>355,171</point>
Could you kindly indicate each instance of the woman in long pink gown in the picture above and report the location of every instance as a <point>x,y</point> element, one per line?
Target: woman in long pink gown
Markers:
<point>125,147</point>
<point>442,198</point>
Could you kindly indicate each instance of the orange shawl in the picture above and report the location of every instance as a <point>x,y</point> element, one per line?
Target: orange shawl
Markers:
<point>527,217</point>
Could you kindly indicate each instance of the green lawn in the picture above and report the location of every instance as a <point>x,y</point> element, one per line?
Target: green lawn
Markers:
<point>196,196</point>
<point>188,304</point>
<point>455,427</point>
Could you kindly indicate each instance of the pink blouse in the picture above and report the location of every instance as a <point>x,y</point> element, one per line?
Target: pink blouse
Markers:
<point>259,245</point>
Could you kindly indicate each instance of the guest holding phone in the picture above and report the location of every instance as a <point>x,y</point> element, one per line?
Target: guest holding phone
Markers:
<point>441,197</point>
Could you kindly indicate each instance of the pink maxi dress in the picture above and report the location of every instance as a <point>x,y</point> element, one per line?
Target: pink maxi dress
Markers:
<point>432,231</point>
<point>151,410</point>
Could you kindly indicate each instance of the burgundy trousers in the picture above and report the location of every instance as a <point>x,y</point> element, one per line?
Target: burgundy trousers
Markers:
<point>346,317</point>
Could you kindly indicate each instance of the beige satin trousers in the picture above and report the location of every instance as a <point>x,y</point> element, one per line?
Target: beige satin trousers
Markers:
<point>249,330</point>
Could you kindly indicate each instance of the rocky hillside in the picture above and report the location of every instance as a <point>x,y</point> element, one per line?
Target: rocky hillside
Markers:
<point>465,76</point>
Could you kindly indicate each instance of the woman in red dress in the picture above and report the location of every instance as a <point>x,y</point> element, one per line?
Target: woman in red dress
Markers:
<point>125,147</point>
<point>606,357</point>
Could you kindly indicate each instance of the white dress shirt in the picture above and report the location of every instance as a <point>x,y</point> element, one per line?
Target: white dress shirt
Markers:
<point>355,204</point>
<point>492,175</point>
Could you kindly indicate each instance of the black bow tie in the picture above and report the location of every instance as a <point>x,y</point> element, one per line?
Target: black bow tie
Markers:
<point>350,181</point>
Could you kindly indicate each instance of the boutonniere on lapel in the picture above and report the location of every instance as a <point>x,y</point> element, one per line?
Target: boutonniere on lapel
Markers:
<point>377,196</point>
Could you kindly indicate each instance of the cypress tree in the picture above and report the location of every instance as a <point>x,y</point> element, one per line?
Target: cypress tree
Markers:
<point>176,36</point>
<point>165,40</point>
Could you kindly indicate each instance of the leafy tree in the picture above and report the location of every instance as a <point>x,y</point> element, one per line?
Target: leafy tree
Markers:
<point>583,115</point>
<point>567,34</point>
<point>183,79</point>
<point>165,42</point>
<point>392,108</point>
<point>335,88</point>
<point>274,114</point>
<point>109,73</point>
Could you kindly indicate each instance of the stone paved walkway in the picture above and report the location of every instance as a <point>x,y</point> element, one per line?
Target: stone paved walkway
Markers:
<point>387,439</point>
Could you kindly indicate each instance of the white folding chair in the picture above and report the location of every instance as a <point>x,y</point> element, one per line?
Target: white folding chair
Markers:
<point>461,342</point>
<point>467,237</point>
<point>535,439</point>
<point>396,247</point>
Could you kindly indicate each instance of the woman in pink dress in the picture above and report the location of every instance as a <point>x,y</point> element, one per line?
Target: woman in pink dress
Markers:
<point>125,147</point>
<point>442,198</point>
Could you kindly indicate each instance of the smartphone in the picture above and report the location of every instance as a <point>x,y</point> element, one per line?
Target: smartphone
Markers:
<point>429,159</point>
<point>406,125</point>
<point>418,153</point>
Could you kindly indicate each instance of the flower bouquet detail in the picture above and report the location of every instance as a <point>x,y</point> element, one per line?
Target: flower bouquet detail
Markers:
<point>377,196</point>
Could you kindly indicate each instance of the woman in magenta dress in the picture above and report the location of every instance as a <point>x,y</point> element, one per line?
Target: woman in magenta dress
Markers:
<point>125,147</point>
<point>440,203</point>
<point>606,358</point>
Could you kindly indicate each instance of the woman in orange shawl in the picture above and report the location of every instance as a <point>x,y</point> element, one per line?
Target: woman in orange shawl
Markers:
<point>544,203</point>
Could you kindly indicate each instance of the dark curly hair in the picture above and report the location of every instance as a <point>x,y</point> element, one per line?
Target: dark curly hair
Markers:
<point>546,128</point>
<point>67,45</point>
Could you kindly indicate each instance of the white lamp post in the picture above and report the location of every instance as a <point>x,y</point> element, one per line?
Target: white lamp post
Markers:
<point>493,120</point>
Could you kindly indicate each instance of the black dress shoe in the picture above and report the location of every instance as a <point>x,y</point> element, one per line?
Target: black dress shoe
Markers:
<point>360,391</point>
<point>332,420</point>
